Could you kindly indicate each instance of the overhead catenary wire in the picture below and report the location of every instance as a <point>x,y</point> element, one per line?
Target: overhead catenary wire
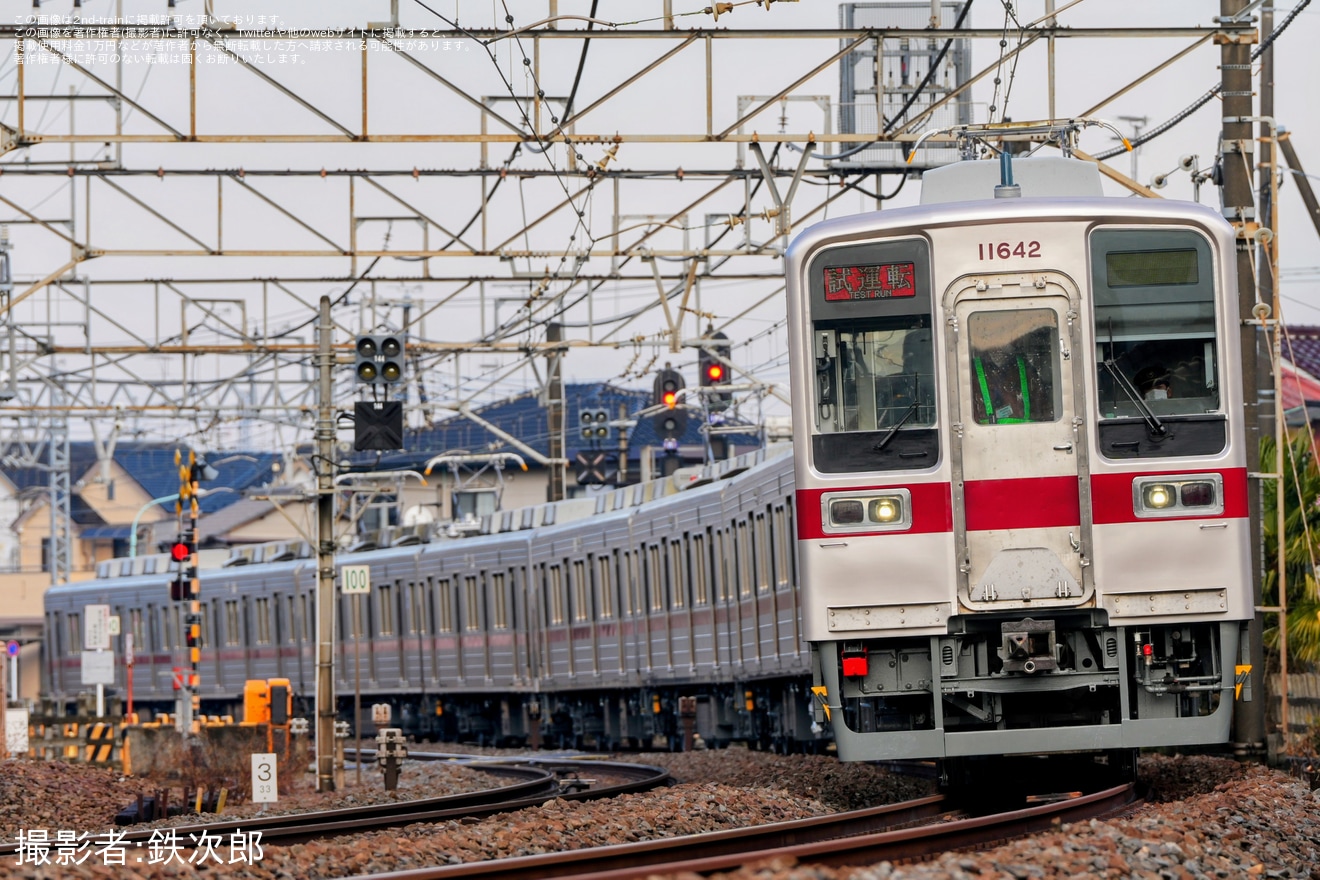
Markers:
<point>1208,96</point>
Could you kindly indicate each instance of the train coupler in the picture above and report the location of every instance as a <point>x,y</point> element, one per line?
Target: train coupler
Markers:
<point>1028,646</point>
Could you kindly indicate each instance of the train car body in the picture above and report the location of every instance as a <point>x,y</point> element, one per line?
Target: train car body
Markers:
<point>1021,474</point>
<point>585,622</point>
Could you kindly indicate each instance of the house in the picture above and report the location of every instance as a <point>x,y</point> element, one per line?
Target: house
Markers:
<point>114,505</point>
<point>475,468</point>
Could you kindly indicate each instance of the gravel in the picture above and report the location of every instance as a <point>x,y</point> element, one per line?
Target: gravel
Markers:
<point>1207,818</point>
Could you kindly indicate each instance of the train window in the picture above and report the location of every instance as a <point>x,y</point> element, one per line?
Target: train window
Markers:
<point>417,608</point>
<point>678,573</point>
<point>1154,322</point>
<point>634,583</point>
<point>445,597</point>
<point>554,585</point>
<point>655,583</point>
<point>783,539</point>
<point>1157,346</point>
<point>721,562</point>
<point>761,554</point>
<point>293,619</point>
<point>1014,360</point>
<point>499,601</point>
<point>700,583</point>
<point>743,559</point>
<point>385,598</point>
<point>262,612</point>
<point>581,604</point>
<point>605,584</point>
<point>204,629</point>
<point>232,635</point>
<point>135,627</point>
<point>471,604</point>
<point>75,633</point>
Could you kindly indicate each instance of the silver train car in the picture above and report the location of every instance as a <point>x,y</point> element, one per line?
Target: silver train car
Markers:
<point>1021,479</point>
<point>588,620</point>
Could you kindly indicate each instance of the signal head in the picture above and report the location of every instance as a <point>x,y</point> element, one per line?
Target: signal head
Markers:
<point>366,346</point>
<point>390,347</point>
<point>180,551</point>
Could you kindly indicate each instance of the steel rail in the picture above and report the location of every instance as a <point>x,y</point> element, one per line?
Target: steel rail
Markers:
<point>538,781</point>
<point>831,840</point>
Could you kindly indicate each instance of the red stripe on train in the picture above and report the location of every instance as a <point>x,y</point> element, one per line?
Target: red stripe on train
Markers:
<point>1029,503</point>
<point>932,509</point>
<point>1111,496</point>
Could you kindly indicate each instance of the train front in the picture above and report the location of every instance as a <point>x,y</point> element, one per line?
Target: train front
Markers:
<point>1021,474</point>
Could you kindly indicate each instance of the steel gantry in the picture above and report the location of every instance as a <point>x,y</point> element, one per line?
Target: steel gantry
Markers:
<point>223,173</point>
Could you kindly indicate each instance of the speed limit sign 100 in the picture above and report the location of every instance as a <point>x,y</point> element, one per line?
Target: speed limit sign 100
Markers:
<point>265,788</point>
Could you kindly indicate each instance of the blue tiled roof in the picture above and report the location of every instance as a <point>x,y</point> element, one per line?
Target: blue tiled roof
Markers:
<point>82,455</point>
<point>154,469</point>
<point>104,533</point>
<point>1301,345</point>
<point>525,418</point>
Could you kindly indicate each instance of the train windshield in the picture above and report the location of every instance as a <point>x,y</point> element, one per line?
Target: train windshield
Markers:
<point>1154,322</point>
<point>884,375</point>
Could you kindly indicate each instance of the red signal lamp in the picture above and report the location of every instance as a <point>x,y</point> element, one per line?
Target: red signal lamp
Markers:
<point>715,372</point>
<point>180,552</point>
<point>671,399</point>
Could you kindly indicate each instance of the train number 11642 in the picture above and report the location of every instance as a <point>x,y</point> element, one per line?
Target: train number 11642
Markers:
<point>1003,250</point>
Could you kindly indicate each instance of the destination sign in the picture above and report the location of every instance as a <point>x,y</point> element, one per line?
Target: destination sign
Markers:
<point>886,281</point>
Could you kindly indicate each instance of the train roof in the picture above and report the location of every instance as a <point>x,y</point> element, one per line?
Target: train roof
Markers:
<point>916,218</point>
<point>128,573</point>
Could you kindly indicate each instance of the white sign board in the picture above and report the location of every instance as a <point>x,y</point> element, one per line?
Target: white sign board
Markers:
<point>114,624</point>
<point>128,649</point>
<point>96,628</point>
<point>354,579</point>
<point>98,667</point>
<point>265,788</point>
<point>16,731</point>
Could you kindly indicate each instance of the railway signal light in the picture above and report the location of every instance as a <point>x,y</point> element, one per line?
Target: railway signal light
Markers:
<point>379,359</point>
<point>671,424</point>
<point>180,552</point>
<point>714,369</point>
<point>668,382</point>
<point>594,424</point>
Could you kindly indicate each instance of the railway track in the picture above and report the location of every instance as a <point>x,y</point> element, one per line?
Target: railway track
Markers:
<point>532,782</point>
<point>908,831</point>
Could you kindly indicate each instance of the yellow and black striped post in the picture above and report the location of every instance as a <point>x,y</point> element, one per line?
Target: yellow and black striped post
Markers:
<point>191,588</point>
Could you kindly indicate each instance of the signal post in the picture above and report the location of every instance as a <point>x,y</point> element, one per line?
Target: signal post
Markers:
<point>186,587</point>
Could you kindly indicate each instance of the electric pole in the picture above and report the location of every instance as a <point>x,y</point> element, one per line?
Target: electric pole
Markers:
<point>325,554</point>
<point>1236,149</point>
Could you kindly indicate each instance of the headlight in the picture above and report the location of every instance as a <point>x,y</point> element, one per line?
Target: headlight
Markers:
<point>1199,494</point>
<point>1178,495</point>
<point>847,512</point>
<point>887,510</point>
<point>1158,496</point>
<point>867,511</point>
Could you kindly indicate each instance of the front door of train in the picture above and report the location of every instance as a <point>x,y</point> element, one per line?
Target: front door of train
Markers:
<point>1021,491</point>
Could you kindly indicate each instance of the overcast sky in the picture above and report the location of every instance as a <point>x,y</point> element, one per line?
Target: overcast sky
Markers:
<point>669,100</point>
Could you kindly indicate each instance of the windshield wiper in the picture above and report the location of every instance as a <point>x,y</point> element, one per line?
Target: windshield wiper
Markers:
<point>889,435</point>
<point>1153,420</point>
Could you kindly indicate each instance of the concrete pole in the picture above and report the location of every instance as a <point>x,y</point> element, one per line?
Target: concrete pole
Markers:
<point>1236,149</point>
<point>325,554</point>
<point>554,407</point>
